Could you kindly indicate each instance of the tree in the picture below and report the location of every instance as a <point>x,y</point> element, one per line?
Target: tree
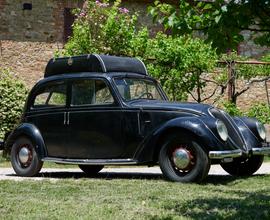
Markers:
<point>179,63</point>
<point>221,21</point>
<point>107,29</point>
<point>176,62</point>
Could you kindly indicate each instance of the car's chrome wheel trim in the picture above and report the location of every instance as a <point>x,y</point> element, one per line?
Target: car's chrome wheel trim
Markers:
<point>24,156</point>
<point>181,158</point>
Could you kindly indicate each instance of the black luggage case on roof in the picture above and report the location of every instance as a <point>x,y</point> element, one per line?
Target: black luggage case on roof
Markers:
<point>94,63</point>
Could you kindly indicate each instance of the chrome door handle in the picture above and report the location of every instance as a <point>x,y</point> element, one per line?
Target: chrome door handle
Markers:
<point>65,118</point>
<point>68,118</point>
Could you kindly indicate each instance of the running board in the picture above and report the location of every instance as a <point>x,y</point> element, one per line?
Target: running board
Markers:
<point>91,161</point>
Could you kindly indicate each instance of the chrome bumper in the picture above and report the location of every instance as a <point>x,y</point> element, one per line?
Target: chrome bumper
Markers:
<point>238,153</point>
<point>225,154</point>
<point>261,151</point>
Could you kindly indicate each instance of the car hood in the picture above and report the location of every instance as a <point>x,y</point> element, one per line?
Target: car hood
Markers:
<point>173,106</point>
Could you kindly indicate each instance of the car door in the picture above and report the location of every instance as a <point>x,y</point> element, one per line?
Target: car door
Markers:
<point>48,114</point>
<point>94,121</point>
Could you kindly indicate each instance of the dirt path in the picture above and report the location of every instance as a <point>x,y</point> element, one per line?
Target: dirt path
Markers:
<point>109,173</point>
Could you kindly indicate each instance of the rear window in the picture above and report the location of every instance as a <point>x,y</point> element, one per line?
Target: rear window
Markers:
<point>51,96</point>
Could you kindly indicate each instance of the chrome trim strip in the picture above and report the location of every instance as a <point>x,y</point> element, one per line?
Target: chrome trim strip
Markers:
<point>225,154</point>
<point>143,65</point>
<point>103,64</point>
<point>261,151</point>
<point>91,161</point>
<point>139,123</point>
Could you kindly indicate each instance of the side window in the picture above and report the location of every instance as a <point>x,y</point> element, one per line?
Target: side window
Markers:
<point>102,93</point>
<point>90,92</point>
<point>51,96</point>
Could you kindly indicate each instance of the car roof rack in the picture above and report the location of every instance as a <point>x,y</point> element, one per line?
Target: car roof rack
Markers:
<point>94,63</point>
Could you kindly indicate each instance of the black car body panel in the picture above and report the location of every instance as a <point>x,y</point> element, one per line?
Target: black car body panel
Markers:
<point>120,130</point>
<point>28,130</point>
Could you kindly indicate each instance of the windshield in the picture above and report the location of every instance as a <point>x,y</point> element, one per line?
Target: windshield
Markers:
<point>134,88</point>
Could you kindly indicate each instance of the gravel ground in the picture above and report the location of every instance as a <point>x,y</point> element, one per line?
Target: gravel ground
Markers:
<point>109,173</point>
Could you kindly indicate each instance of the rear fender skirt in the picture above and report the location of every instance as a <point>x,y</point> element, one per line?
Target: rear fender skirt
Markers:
<point>30,131</point>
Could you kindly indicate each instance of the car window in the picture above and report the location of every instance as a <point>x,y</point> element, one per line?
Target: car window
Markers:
<point>132,88</point>
<point>90,92</point>
<point>51,96</point>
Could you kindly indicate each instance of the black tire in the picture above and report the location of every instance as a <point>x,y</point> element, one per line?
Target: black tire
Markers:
<point>198,165</point>
<point>240,167</point>
<point>91,170</point>
<point>33,164</point>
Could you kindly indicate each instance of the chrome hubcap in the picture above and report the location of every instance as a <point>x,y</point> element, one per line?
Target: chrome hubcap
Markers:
<point>24,155</point>
<point>181,158</point>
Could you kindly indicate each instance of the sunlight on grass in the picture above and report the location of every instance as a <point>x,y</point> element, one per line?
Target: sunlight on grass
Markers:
<point>220,197</point>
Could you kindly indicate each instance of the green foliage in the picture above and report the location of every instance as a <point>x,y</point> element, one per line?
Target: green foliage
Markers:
<point>232,109</point>
<point>250,72</point>
<point>220,21</point>
<point>246,71</point>
<point>261,111</point>
<point>107,29</point>
<point>12,95</point>
<point>179,62</point>
<point>120,195</point>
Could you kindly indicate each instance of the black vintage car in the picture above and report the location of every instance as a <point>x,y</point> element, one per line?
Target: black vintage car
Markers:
<point>96,110</point>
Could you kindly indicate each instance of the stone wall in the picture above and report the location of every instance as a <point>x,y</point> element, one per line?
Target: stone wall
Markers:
<point>256,94</point>
<point>43,23</point>
<point>27,60</point>
<point>29,38</point>
<point>249,48</point>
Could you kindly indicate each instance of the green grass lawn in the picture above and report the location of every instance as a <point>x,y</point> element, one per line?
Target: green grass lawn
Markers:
<point>136,197</point>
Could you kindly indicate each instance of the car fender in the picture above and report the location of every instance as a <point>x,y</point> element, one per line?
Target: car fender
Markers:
<point>194,125</point>
<point>247,127</point>
<point>32,132</point>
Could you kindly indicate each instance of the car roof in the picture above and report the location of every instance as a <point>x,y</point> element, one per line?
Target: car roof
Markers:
<point>89,75</point>
<point>94,63</point>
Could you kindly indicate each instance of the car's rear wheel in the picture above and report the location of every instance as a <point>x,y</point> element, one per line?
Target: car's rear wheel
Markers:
<point>182,159</point>
<point>246,167</point>
<point>24,158</point>
<point>91,169</point>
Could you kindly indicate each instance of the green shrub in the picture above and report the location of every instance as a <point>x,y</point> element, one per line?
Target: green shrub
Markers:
<point>261,111</point>
<point>179,62</point>
<point>106,28</point>
<point>232,109</point>
<point>12,97</point>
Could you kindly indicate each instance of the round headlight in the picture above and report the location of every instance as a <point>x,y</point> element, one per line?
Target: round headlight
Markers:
<point>222,130</point>
<point>261,130</point>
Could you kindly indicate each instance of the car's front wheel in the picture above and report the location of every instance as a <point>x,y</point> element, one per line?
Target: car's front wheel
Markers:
<point>243,167</point>
<point>91,170</point>
<point>24,158</point>
<point>182,159</point>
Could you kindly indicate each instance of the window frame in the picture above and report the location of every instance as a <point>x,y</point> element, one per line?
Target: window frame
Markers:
<point>158,86</point>
<point>44,86</point>
<point>113,104</point>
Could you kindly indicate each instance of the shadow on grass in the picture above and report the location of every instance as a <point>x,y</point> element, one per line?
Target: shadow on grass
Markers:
<point>211,179</point>
<point>102,175</point>
<point>243,205</point>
